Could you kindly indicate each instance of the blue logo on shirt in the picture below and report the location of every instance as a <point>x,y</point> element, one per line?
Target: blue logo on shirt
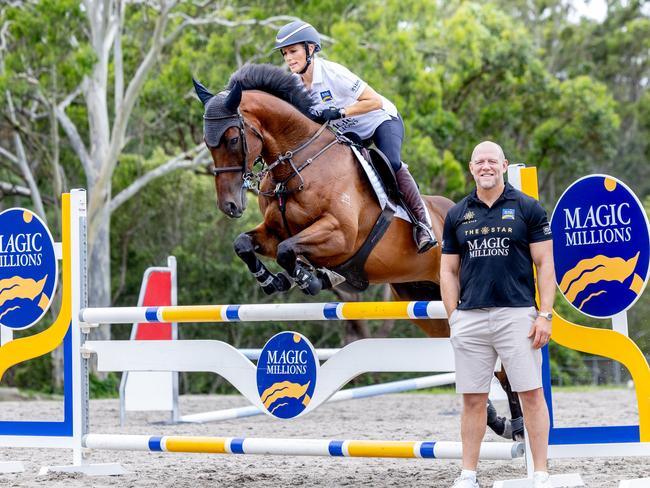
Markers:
<point>601,246</point>
<point>507,214</point>
<point>326,96</point>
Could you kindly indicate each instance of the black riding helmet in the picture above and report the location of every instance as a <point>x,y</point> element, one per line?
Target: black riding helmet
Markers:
<point>295,33</point>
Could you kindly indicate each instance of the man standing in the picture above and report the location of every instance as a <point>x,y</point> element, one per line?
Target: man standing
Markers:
<point>490,242</point>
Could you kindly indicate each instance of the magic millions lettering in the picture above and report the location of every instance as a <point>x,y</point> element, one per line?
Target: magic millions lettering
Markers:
<point>491,246</point>
<point>286,362</point>
<point>21,250</point>
<point>598,224</point>
<point>601,246</point>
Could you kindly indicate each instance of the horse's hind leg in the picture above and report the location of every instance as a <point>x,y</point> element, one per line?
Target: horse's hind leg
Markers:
<point>512,428</point>
<point>245,246</point>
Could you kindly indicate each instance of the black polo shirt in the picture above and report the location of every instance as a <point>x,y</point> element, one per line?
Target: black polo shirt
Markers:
<point>493,244</point>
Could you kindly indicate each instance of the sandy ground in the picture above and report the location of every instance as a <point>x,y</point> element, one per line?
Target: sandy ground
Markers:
<point>391,417</point>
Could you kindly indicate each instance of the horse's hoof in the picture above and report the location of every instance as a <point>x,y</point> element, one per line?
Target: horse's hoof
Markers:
<point>281,282</point>
<point>313,288</point>
<point>499,425</point>
<point>517,428</point>
<point>269,289</point>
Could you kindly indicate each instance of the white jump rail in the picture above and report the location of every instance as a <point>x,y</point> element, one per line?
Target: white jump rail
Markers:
<point>267,312</point>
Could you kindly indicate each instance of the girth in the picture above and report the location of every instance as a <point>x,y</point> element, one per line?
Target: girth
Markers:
<point>353,270</point>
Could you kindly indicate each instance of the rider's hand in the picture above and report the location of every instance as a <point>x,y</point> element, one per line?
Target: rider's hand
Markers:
<point>332,113</point>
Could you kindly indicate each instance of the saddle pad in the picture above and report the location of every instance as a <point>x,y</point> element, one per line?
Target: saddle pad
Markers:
<point>378,188</point>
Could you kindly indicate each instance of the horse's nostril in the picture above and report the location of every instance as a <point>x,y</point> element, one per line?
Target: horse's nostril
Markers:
<point>231,209</point>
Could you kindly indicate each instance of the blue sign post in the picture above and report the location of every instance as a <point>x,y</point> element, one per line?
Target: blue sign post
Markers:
<point>28,268</point>
<point>601,246</point>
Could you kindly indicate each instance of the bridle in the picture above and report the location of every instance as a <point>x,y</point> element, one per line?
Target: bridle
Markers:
<point>249,177</point>
<point>241,124</point>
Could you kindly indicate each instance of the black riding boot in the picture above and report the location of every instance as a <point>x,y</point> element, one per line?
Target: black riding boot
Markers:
<point>424,238</point>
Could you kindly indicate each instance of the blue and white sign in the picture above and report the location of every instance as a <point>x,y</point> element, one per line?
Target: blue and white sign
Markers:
<point>28,268</point>
<point>286,374</point>
<point>601,246</point>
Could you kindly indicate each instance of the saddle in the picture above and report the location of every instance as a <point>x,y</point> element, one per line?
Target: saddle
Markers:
<point>380,164</point>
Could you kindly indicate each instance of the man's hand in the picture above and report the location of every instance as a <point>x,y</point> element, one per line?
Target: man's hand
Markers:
<point>540,332</point>
<point>331,113</point>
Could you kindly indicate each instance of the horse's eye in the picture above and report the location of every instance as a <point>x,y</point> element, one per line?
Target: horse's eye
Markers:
<point>234,141</point>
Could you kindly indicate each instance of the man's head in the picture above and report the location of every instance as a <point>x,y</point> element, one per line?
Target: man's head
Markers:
<point>488,164</point>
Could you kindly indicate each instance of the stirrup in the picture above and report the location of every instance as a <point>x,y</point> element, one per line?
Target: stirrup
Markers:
<point>425,245</point>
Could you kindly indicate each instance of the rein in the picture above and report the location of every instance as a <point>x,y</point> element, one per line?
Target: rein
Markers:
<point>288,157</point>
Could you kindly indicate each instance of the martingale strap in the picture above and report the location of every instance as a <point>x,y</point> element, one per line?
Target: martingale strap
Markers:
<point>282,193</point>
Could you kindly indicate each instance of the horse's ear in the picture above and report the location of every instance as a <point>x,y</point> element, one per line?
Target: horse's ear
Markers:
<point>203,93</point>
<point>234,97</point>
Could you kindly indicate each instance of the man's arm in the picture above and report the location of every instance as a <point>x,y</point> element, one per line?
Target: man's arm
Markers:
<point>450,281</point>
<point>542,254</point>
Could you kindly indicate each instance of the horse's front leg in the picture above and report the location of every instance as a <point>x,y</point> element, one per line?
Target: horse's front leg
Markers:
<point>259,240</point>
<point>512,428</point>
<point>320,240</point>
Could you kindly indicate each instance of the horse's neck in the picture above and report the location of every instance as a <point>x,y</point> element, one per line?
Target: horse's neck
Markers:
<point>285,129</point>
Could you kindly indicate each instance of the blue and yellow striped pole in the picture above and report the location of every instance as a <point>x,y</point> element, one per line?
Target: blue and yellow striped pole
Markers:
<point>267,312</point>
<point>300,447</point>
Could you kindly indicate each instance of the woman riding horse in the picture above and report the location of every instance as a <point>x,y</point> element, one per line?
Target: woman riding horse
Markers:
<point>352,106</point>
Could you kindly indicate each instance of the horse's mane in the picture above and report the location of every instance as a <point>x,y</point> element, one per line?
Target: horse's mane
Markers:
<point>274,81</point>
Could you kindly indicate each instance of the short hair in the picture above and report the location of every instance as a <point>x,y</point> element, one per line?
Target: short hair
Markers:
<point>489,143</point>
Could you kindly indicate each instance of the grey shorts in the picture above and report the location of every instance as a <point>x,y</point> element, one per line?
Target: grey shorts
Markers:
<point>478,336</point>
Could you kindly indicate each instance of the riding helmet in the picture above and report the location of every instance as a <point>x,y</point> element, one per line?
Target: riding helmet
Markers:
<point>296,32</point>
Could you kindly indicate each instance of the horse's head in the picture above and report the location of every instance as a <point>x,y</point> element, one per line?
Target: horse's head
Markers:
<point>233,155</point>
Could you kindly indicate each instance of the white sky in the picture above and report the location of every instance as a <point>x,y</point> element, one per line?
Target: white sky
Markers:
<point>592,9</point>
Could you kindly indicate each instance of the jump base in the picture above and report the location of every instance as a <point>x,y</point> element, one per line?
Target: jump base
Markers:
<point>103,469</point>
<point>557,481</point>
<point>11,467</point>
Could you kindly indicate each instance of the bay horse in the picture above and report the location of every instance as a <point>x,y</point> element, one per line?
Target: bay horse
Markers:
<point>317,204</point>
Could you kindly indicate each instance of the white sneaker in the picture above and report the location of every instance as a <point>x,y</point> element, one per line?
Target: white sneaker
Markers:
<point>463,482</point>
<point>541,480</point>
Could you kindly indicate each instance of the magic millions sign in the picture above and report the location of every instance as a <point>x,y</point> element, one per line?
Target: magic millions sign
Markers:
<point>601,246</point>
<point>28,268</point>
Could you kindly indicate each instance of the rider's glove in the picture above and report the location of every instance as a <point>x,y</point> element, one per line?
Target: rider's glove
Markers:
<point>332,113</point>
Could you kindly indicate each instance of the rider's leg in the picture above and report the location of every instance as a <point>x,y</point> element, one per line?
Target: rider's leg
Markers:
<point>423,235</point>
<point>388,138</point>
